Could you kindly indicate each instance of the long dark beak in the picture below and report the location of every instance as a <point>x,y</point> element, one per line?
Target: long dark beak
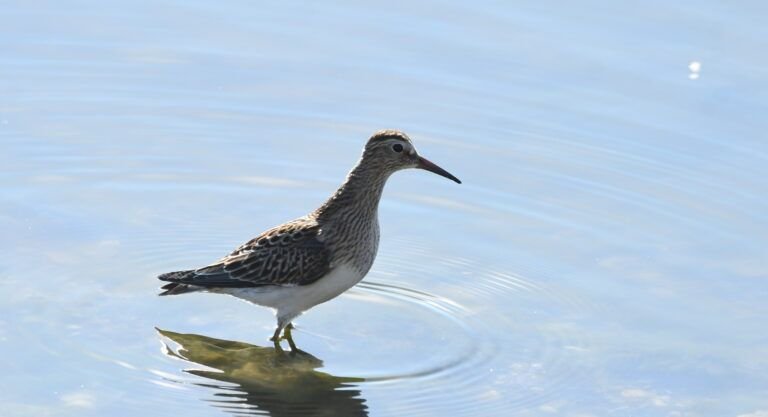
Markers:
<point>424,163</point>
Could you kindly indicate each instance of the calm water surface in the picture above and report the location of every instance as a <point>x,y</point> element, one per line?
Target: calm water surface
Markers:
<point>607,254</point>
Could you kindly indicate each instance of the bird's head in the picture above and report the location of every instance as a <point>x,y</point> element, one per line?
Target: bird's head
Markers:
<point>392,150</point>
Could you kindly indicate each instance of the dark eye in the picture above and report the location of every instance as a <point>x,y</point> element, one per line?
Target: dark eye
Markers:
<point>397,147</point>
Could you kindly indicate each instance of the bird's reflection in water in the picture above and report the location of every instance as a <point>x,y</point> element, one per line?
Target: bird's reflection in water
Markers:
<point>267,381</point>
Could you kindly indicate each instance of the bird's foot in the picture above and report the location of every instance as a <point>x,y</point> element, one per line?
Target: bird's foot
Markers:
<point>289,337</point>
<point>277,338</point>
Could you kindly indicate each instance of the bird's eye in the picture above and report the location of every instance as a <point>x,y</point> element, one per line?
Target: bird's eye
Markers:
<point>397,147</point>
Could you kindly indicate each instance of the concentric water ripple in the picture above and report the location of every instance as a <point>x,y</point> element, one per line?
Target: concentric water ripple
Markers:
<point>484,348</point>
<point>518,366</point>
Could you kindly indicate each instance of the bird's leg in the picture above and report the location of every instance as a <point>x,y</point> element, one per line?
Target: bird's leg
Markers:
<point>276,338</point>
<point>281,324</point>
<point>287,336</point>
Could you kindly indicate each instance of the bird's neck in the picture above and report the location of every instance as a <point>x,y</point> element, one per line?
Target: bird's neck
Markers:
<point>358,196</point>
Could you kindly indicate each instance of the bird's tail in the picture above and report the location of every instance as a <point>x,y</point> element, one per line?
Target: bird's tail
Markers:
<point>175,287</point>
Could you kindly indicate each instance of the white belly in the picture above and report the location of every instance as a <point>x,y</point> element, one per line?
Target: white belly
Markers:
<point>292,301</point>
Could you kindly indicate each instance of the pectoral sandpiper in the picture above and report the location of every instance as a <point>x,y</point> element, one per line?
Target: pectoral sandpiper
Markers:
<point>302,263</point>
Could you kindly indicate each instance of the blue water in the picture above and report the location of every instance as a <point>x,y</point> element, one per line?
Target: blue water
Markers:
<point>607,254</point>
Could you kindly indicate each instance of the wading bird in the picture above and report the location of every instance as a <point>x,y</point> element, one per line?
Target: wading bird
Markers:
<point>302,263</point>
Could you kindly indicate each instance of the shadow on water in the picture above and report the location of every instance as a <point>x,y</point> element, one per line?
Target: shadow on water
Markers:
<point>266,380</point>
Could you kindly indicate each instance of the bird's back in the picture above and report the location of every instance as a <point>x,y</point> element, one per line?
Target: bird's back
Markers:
<point>288,255</point>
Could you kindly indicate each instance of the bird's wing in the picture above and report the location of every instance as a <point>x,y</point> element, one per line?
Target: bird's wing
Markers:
<point>290,254</point>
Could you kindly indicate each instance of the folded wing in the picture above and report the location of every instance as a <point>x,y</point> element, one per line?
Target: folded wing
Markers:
<point>287,255</point>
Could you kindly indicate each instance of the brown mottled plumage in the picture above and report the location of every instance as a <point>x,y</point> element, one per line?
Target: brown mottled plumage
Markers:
<point>310,260</point>
<point>289,254</point>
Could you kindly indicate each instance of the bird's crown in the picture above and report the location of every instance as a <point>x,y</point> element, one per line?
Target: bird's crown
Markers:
<point>388,134</point>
